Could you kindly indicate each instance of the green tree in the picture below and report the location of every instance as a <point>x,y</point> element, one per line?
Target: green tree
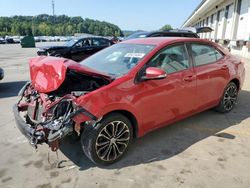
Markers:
<point>44,24</point>
<point>166,27</point>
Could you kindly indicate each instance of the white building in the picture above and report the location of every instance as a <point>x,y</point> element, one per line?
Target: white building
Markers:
<point>230,20</point>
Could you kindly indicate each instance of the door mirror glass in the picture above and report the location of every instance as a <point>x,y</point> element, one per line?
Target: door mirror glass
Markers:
<point>153,73</point>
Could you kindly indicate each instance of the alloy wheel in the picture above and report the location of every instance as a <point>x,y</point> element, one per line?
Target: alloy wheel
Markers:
<point>112,141</point>
<point>230,97</point>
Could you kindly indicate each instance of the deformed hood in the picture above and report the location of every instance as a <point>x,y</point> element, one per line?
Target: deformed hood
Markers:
<point>48,73</point>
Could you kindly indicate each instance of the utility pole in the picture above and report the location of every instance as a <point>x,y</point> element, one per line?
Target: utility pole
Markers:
<point>53,8</point>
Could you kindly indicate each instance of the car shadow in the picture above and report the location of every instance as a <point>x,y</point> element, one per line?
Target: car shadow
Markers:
<point>10,89</point>
<point>167,142</point>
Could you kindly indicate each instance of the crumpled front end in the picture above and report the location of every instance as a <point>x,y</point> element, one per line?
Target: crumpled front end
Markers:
<point>45,119</point>
<point>47,110</point>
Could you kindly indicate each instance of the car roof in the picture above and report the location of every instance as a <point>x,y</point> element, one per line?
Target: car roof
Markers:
<point>171,31</point>
<point>157,41</point>
<point>90,37</point>
<point>163,41</point>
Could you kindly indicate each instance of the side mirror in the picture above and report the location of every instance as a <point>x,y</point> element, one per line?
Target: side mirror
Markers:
<point>153,73</point>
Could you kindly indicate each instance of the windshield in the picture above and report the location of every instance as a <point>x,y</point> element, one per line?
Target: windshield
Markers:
<point>118,59</point>
<point>70,43</point>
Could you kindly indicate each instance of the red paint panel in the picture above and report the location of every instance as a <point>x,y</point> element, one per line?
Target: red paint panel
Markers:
<point>47,73</point>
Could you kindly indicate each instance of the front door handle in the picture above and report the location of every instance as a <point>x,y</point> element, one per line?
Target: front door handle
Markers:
<point>189,78</point>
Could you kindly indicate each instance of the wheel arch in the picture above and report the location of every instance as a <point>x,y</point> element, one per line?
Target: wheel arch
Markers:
<point>131,118</point>
<point>236,81</point>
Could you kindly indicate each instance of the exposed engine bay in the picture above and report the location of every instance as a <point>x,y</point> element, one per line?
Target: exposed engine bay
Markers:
<point>50,116</point>
<point>76,83</point>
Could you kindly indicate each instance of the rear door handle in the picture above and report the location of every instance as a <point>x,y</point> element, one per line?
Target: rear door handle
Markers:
<point>189,78</point>
<point>224,67</point>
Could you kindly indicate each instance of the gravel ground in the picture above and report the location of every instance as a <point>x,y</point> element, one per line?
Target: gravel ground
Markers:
<point>206,150</point>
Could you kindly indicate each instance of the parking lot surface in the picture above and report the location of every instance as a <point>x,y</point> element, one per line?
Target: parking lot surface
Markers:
<point>206,150</point>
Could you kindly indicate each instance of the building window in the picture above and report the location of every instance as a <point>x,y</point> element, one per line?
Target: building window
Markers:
<point>238,7</point>
<point>212,19</point>
<point>226,12</point>
<point>207,21</point>
<point>218,16</point>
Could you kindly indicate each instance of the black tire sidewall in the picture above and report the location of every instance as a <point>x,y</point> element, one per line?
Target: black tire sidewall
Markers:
<point>221,107</point>
<point>89,137</point>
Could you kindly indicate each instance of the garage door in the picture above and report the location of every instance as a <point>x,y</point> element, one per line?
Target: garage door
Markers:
<point>242,32</point>
<point>229,22</point>
<point>220,24</point>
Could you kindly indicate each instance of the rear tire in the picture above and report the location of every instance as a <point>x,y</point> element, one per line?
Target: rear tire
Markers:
<point>107,141</point>
<point>229,98</point>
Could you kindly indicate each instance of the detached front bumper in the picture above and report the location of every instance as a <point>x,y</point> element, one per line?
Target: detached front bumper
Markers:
<point>42,135</point>
<point>26,129</point>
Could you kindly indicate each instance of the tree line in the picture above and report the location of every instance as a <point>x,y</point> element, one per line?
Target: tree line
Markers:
<point>62,25</point>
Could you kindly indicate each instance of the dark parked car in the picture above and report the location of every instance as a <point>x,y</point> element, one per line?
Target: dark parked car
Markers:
<point>9,40</point>
<point>124,92</point>
<point>76,49</point>
<point>2,41</point>
<point>1,73</point>
<point>185,32</point>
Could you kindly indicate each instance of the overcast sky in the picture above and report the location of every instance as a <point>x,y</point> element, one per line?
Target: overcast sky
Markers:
<point>127,14</point>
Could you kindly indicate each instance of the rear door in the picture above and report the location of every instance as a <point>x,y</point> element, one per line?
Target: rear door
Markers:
<point>169,99</point>
<point>211,71</point>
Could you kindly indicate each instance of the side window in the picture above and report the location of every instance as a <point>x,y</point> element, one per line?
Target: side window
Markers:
<point>218,55</point>
<point>204,54</point>
<point>96,42</point>
<point>104,42</point>
<point>171,59</point>
<point>100,42</point>
<point>86,42</point>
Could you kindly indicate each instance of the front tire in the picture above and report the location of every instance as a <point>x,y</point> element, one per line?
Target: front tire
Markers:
<point>228,99</point>
<point>107,141</point>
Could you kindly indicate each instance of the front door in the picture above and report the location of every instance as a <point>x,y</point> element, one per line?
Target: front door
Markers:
<point>82,49</point>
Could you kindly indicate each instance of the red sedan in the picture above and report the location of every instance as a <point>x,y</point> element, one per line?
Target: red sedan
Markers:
<point>124,92</point>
